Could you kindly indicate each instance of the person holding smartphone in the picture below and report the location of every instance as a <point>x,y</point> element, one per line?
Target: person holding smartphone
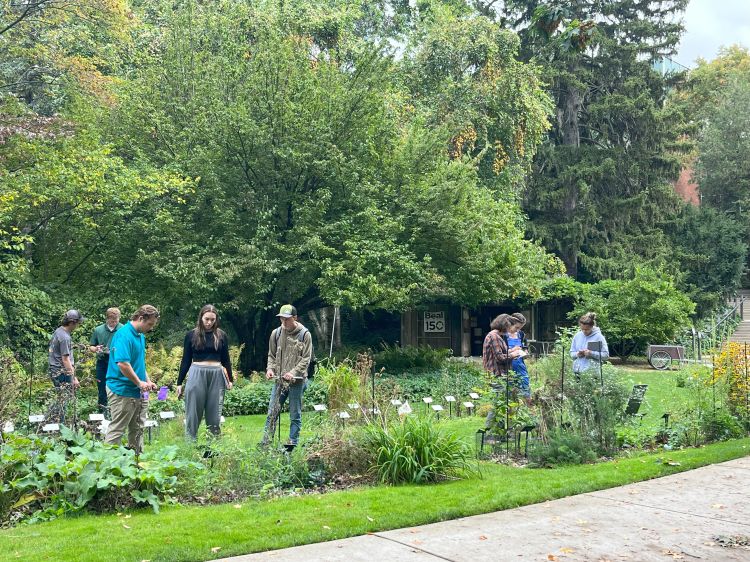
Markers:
<point>583,357</point>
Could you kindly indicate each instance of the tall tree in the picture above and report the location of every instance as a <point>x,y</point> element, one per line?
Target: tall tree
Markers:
<point>600,185</point>
<point>325,172</point>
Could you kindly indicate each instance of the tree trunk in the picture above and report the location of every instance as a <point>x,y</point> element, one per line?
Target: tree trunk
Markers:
<point>567,116</point>
<point>319,320</point>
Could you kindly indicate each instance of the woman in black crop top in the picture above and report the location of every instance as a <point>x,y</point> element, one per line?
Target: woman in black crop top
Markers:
<point>205,361</point>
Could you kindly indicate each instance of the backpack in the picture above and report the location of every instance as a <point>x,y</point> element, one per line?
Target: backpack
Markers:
<point>313,364</point>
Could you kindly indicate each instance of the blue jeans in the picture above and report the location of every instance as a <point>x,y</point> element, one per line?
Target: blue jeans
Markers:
<point>64,395</point>
<point>294,393</point>
<point>101,383</point>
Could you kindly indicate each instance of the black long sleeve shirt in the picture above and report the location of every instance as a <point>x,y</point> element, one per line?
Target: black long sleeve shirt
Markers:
<point>208,353</point>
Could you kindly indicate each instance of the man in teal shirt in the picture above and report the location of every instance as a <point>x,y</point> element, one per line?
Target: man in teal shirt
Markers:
<point>127,380</point>
<point>99,344</point>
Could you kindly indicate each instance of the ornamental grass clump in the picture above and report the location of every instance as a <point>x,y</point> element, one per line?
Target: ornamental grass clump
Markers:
<point>416,450</point>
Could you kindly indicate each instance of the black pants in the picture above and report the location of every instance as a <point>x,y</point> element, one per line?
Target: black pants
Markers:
<point>101,382</point>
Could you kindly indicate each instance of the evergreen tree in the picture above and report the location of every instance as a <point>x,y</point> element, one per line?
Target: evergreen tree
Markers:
<point>600,186</point>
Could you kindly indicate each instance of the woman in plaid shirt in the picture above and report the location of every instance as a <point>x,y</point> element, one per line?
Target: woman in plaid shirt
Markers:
<point>496,356</point>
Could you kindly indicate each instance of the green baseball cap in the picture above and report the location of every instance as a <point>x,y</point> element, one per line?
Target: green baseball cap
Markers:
<point>287,311</point>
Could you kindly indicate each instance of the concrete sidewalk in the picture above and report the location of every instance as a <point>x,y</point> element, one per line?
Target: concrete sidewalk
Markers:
<point>672,518</point>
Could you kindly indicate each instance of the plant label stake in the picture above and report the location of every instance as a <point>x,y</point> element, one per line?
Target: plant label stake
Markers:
<point>149,425</point>
<point>168,415</point>
<point>404,409</point>
<point>320,408</point>
<point>451,400</point>
<point>96,417</point>
<point>396,402</point>
<point>474,395</point>
<point>427,401</point>
<point>437,408</point>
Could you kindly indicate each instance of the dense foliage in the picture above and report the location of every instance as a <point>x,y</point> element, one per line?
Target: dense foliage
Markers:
<point>416,451</point>
<point>633,313</point>
<point>44,478</point>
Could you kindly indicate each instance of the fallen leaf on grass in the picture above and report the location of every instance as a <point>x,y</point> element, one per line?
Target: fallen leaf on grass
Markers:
<point>124,525</point>
<point>128,516</point>
<point>326,527</point>
<point>237,506</point>
<point>215,549</point>
<point>370,519</point>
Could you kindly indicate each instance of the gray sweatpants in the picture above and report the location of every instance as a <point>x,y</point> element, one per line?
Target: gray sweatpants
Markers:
<point>204,393</point>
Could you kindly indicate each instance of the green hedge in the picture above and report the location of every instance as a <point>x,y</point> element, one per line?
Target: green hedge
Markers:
<point>252,398</point>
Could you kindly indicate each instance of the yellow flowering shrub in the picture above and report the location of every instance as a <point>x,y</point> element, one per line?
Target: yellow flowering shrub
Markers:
<point>732,365</point>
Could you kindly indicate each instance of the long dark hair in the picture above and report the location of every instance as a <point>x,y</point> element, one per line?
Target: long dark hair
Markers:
<point>199,334</point>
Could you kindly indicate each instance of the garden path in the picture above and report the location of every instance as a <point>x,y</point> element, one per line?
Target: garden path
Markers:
<point>686,516</point>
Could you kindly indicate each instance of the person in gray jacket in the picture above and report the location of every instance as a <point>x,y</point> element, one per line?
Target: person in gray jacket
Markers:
<point>583,357</point>
<point>289,354</point>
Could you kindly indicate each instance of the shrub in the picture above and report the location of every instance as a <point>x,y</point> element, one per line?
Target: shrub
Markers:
<point>416,450</point>
<point>635,312</point>
<point>395,359</point>
<point>252,398</point>
<point>45,478</point>
<point>11,377</point>
<point>589,408</point>
<point>339,454</point>
<point>341,383</point>
<point>235,470</point>
<point>635,436</point>
<point>562,448</point>
<point>720,424</point>
<point>731,365</point>
<point>247,400</point>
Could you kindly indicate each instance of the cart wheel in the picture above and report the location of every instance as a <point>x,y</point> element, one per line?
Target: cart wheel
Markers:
<point>660,360</point>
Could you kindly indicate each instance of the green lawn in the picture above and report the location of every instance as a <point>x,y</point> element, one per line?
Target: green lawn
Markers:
<point>663,394</point>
